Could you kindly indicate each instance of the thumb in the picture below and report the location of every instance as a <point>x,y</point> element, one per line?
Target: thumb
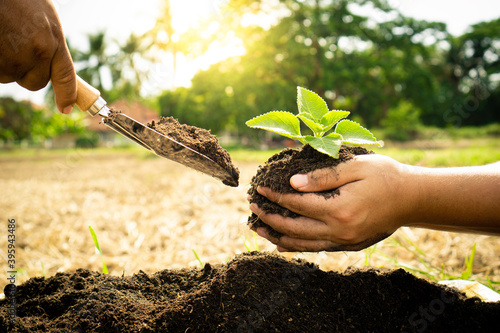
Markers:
<point>327,178</point>
<point>63,79</point>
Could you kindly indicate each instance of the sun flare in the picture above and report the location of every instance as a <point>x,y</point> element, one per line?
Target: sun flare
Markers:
<point>192,22</point>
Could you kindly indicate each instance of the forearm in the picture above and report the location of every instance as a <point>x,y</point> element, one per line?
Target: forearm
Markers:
<point>463,199</point>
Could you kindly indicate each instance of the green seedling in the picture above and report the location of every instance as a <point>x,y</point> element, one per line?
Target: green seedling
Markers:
<point>43,270</point>
<point>469,262</point>
<point>248,244</point>
<point>314,112</point>
<point>198,258</point>
<point>369,253</point>
<point>96,243</point>
<point>435,273</point>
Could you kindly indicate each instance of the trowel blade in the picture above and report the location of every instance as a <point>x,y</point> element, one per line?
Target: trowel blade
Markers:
<point>166,147</point>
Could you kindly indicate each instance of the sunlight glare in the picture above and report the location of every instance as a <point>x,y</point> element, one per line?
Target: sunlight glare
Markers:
<point>186,15</point>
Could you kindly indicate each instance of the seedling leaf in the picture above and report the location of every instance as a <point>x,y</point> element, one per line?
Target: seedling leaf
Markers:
<point>43,270</point>
<point>333,117</point>
<point>469,262</point>
<point>329,144</point>
<point>310,102</point>
<point>198,258</point>
<point>281,122</point>
<point>317,128</point>
<point>96,243</point>
<point>313,111</point>
<point>354,133</point>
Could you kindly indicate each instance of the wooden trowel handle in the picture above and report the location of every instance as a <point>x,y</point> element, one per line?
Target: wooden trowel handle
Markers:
<point>87,95</point>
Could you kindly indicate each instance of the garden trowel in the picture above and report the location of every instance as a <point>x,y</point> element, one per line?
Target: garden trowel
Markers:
<point>89,99</point>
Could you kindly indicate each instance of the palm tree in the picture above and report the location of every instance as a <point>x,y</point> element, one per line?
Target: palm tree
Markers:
<point>92,64</point>
<point>126,73</point>
<point>97,66</point>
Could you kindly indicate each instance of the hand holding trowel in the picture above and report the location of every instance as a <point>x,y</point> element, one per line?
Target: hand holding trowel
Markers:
<point>89,100</point>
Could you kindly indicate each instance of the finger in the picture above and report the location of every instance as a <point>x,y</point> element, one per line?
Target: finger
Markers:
<point>63,79</point>
<point>290,244</point>
<point>12,71</point>
<point>37,77</point>
<point>329,178</point>
<point>360,245</point>
<point>300,227</point>
<point>307,204</point>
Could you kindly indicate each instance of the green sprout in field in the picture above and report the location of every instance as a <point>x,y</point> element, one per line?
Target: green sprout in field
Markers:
<point>96,243</point>
<point>43,270</point>
<point>314,112</point>
<point>198,258</point>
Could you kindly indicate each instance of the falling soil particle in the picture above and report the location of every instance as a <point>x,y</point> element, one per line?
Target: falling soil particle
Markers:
<point>254,292</point>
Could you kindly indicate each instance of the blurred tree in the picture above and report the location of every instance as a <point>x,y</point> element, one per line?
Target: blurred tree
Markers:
<point>25,121</point>
<point>92,65</point>
<point>100,67</point>
<point>402,122</point>
<point>474,75</point>
<point>114,69</point>
<point>360,55</point>
<point>15,119</point>
<point>128,68</point>
<point>350,59</point>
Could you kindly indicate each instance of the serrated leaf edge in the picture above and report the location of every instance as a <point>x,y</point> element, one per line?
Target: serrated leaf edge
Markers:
<point>309,138</point>
<point>308,90</point>
<point>288,135</point>
<point>362,141</point>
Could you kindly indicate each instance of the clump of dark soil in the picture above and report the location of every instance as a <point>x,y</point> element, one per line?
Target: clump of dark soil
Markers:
<point>198,139</point>
<point>278,170</point>
<point>254,292</point>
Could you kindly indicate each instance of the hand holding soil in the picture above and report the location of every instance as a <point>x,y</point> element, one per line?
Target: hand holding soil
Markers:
<point>376,196</point>
<point>359,216</point>
<point>34,50</point>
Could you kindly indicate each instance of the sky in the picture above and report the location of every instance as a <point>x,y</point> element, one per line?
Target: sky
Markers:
<point>121,17</point>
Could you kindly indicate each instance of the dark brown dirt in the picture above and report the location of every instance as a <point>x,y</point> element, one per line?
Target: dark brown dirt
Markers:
<point>278,170</point>
<point>254,292</point>
<point>198,139</point>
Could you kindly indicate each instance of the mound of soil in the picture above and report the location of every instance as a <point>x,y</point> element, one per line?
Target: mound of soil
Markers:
<point>278,170</point>
<point>254,292</point>
<point>198,139</point>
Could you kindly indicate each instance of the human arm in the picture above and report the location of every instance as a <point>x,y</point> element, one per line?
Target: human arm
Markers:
<point>377,196</point>
<point>33,50</point>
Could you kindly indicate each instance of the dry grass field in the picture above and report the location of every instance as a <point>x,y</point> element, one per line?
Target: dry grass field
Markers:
<point>150,214</point>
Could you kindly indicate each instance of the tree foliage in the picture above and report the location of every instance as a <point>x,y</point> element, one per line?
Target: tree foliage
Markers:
<point>474,71</point>
<point>25,121</point>
<point>361,55</point>
<point>377,68</point>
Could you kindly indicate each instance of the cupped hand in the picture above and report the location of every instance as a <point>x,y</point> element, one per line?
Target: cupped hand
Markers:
<point>372,203</point>
<point>33,50</point>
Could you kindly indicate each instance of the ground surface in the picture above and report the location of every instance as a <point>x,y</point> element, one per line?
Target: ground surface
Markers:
<point>252,293</point>
<point>150,214</point>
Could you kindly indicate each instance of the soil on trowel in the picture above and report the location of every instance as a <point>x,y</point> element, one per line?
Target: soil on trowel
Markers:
<point>254,292</point>
<point>198,139</point>
<point>278,170</point>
